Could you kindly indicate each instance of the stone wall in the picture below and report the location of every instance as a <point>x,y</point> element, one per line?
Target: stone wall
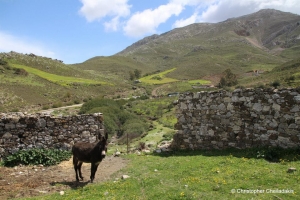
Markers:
<point>19,131</point>
<point>240,119</point>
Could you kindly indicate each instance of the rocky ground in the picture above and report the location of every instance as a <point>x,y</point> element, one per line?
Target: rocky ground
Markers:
<point>26,181</point>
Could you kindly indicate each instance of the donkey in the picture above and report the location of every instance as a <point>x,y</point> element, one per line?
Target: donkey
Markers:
<point>92,153</point>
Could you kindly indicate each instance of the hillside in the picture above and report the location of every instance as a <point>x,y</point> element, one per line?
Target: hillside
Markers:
<point>260,40</point>
<point>266,41</point>
<point>28,81</point>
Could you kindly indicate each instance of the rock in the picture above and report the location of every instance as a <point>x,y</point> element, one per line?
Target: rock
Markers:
<point>7,136</point>
<point>125,177</point>
<point>146,151</point>
<point>291,170</point>
<point>117,154</point>
<point>61,193</point>
<point>158,150</point>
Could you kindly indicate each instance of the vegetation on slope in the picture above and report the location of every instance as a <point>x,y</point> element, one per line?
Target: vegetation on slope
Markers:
<point>61,80</point>
<point>118,121</point>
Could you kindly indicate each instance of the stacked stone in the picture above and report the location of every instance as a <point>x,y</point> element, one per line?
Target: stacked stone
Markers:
<point>21,131</point>
<point>240,119</point>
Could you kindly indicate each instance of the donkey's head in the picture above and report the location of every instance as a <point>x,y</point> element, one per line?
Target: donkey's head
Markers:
<point>104,143</point>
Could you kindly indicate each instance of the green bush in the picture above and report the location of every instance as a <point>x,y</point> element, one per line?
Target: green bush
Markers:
<point>135,126</point>
<point>21,72</point>
<point>228,79</point>
<point>275,84</point>
<point>3,62</point>
<point>37,156</point>
<point>98,102</point>
<point>116,119</point>
<point>76,101</point>
<point>57,105</point>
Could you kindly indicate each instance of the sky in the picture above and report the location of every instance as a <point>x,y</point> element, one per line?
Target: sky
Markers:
<point>76,30</point>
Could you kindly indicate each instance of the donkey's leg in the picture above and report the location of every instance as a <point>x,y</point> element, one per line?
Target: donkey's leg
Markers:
<point>75,164</point>
<point>79,169</point>
<point>94,167</point>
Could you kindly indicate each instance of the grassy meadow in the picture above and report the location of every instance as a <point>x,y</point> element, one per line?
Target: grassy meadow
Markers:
<point>61,80</point>
<point>161,78</point>
<point>158,78</point>
<point>230,174</point>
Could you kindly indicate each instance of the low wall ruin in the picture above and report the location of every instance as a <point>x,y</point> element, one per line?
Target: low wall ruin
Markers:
<point>239,119</point>
<point>20,131</point>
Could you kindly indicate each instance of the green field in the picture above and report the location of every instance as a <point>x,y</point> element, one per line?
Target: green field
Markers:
<point>207,175</point>
<point>159,78</point>
<point>200,82</point>
<point>61,80</point>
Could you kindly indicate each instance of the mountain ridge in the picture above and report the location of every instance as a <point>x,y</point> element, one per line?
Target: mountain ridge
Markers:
<point>255,20</point>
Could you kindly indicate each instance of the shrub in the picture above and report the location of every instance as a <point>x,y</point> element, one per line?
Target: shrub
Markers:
<point>37,156</point>
<point>157,77</point>
<point>45,107</point>
<point>116,119</point>
<point>228,79</point>
<point>168,135</point>
<point>275,84</point>
<point>76,101</point>
<point>21,72</point>
<point>15,110</point>
<point>135,127</point>
<point>3,62</point>
<point>57,105</point>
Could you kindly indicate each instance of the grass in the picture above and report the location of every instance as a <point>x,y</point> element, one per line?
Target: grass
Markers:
<point>61,80</point>
<point>159,78</point>
<point>196,175</point>
<point>200,81</point>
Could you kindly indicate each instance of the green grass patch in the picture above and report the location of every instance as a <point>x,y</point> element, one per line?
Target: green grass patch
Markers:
<point>61,80</point>
<point>199,81</point>
<point>159,78</point>
<point>211,174</point>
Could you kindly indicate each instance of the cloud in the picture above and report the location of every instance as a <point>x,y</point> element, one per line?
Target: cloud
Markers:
<point>146,22</point>
<point>116,13</point>
<point>97,9</point>
<point>112,25</point>
<point>11,43</point>
<point>184,22</point>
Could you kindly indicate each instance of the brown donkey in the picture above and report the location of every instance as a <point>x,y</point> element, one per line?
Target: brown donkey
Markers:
<point>92,153</point>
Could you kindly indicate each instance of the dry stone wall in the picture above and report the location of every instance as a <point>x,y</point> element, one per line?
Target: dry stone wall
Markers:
<point>20,131</point>
<point>240,119</point>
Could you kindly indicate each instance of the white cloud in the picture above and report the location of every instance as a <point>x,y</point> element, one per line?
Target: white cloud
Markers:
<point>98,9</point>
<point>12,43</point>
<point>146,22</point>
<point>116,13</point>
<point>184,22</point>
<point>112,25</point>
<point>224,9</point>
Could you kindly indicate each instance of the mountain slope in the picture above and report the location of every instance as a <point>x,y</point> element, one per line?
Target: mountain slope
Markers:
<point>255,41</point>
<point>34,81</point>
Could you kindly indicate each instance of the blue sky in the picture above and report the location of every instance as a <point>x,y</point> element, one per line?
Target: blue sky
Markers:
<point>76,30</point>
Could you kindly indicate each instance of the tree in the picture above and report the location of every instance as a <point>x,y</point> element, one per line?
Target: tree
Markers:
<point>137,73</point>
<point>228,79</point>
<point>131,75</point>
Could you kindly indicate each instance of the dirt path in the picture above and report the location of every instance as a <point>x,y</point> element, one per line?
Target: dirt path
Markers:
<point>49,111</point>
<point>26,181</point>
